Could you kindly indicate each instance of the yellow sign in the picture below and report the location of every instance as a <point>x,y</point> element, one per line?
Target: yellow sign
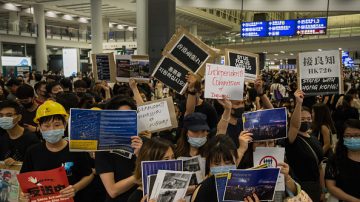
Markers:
<point>83,144</point>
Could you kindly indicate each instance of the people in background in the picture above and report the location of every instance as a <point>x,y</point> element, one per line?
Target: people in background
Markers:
<point>40,90</point>
<point>26,97</point>
<point>53,88</point>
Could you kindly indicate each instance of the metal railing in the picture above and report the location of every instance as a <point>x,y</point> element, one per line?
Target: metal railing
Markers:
<point>63,33</point>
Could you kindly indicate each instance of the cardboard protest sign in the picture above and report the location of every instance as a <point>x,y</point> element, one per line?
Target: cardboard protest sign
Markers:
<point>44,185</point>
<point>248,61</point>
<point>271,156</point>
<point>171,74</point>
<point>266,124</point>
<point>225,81</point>
<point>188,50</point>
<point>319,73</point>
<point>9,185</point>
<point>170,186</point>
<point>243,183</point>
<point>132,66</point>
<point>104,66</point>
<point>152,167</point>
<point>157,115</point>
<point>96,130</point>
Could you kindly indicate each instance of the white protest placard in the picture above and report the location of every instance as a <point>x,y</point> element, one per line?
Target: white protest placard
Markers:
<point>157,115</point>
<point>221,80</point>
<point>271,156</point>
<point>320,72</point>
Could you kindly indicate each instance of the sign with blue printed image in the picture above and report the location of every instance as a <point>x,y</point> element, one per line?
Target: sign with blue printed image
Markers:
<point>99,130</point>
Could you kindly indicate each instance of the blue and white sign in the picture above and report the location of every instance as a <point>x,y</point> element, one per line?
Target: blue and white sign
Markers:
<point>311,26</point>
<point>254,29</point>
<point>347,60</point>
<point>98,130</point>
<point>15,61</point>
<point>282,28</point>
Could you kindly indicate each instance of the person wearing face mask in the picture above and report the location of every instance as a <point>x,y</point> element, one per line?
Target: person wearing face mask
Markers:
<point>14,139</point>
<point>194,136</point>
<point>26,97</point>
<point>235,124</point>
<point>342,170</point>
<point>304,152</point>
<point>53,88</point>
<point>54,152</point>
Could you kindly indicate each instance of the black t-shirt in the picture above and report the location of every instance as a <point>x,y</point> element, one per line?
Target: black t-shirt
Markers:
<point>16,149</point>
<point>106,162</point>
<point>28,118</point>
<point>207,190</point>
<point>346,173</point>
<point>234,131</point>
<point>76,164</point>
<point>136,196</point>
<point>302,159</point>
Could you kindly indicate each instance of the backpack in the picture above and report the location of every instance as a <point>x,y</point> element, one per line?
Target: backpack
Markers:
<point>278,95</point>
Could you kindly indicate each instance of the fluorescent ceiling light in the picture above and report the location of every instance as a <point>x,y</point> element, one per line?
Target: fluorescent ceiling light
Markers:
<point>276,54</point>
<point>319,49</point>
<point>291,53</point>
<point>282,52</point>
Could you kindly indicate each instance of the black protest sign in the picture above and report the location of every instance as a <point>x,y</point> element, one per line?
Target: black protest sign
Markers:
<point>248,61</point>
<point>188,51</point>
<point>104,66</point>
<point>171,74</point>
<point>319,73</point>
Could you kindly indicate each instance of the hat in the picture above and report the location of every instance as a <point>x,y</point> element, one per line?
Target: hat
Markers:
<point>196,122</point>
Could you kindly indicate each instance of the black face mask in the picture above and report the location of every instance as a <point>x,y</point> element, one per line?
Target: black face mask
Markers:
<point>238,112</point>
<point>305,126</point>
<point>27,105</point>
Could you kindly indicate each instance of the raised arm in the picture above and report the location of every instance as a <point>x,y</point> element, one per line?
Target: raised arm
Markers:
<point>191,94</point>
<point>295,121</point>
<point>135,90</point>
<point>225,118</point>
<point>260,91</point>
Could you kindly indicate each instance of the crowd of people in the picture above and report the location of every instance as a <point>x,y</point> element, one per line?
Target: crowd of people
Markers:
<point>322,146</point>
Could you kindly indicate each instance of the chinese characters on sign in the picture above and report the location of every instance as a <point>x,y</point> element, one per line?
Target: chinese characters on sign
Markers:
<point>320,72</point>
<point>254,29</point>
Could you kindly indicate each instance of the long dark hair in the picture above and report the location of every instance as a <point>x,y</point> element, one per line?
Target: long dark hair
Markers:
<point>152,150</point>
<point>341,151</point>
<point>322,116</point>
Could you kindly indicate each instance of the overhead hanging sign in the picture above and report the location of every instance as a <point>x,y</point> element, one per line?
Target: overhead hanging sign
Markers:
<point>157,115</point>
<point>104,66</point>
<point>171,74</point>
<point>320,72</point>
<point>248,61</point>
<point>188,50</point>
<point>132,66</point>
<point>225,81</point>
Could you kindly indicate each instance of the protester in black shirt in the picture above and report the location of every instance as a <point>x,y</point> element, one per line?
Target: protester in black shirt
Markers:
<point>14,139</point>
<point>53,88</point>
<point>303,151</point>
<point>343,170</point>
<point>116,172</point>
<point>54,152</point>
<point>26,98</point>
<point>153,150</point>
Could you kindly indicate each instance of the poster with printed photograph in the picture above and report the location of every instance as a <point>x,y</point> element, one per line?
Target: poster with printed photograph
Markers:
<point>197,166</point>
<point>269,124</point>
<point>9,186</point>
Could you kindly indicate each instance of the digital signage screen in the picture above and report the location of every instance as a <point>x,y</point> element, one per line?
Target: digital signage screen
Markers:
<point>282,28</point>
<point>254,29</point>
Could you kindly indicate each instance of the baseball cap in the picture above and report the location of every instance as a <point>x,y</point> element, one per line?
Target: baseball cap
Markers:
<point>196,122</point>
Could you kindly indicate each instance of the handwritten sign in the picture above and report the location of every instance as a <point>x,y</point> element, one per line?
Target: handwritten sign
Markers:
<point>44,185</point>
<point>171,74</point>
<point>248,61</point>
<point>320,72</point>
<point>271,156</point>
<point>223,80</point>
<point>132,66</point>
<point>157,115</point>
<point>188,50</point>
<point>104,66</point>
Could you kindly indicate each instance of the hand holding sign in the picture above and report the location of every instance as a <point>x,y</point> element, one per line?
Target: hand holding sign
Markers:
<point>299,96</point>
<point>136,144</point>
<point>226,103</point>
<point>250,199</point>
<point>244,139</point>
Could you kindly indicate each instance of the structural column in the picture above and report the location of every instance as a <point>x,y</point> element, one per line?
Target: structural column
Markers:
<point>40,47</point>
<point>14,20</point>
<point>96,27</point>
<point>193,30</point>
<point>142,27</point>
